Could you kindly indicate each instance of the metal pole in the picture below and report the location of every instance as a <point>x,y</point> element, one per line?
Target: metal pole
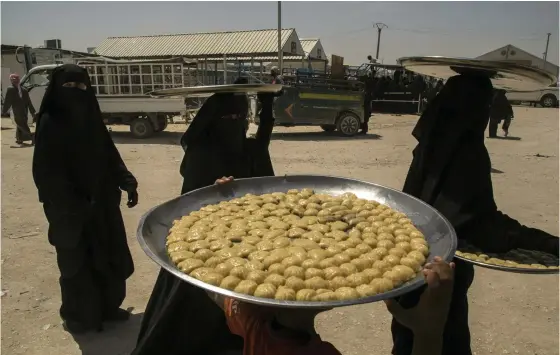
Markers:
<point>379,27</point>
<point>225,69</point>
<point>280,52</point>
<point>546,50</point>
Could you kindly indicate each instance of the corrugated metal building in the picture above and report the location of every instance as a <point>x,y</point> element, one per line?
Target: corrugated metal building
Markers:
<point>238,51</point>
<point>514,54</point>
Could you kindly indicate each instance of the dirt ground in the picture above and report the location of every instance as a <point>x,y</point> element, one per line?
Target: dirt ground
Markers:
<point>510,313</point>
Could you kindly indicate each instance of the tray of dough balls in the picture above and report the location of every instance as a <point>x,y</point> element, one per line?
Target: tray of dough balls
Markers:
<point>517,260</point>
<point>297,241</point>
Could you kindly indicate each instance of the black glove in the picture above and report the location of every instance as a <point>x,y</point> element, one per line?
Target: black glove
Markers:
<point>132,198</point>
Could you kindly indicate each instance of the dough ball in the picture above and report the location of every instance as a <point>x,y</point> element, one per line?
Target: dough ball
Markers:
<point>337,235</point>
<point>372,274</point>
<point>398,252</point>
<point>342,258</point>
<point>381,285</point>
<point>258,255</point>
<point>338,282</point>
<point>295,283</point>
<point>405,273</point>
<point>418,256</point>
<point>355,233</point>
<point>279,225</point>
<point>305,244</point>
<point>265,245</point>
<point>352,253</point>
<point>387,244</point>
<point>189,265</point>
<point>317,254</point>
<point>285,294</point>
<point>297,251</point>
<point>316,283</point>
<point>326,297</point>
<point>339,226</point>
<point>310,263</point>
<point>312,219</point>
<point>362,225</point>
<point>256,275</point>
<point>392,259</point>
<point>178,246</point>
<point>416,234</point>
<point>273,234</point>
<point>394,277</point>
<point>366,290</point>
<point>421,248</point>
<point>276,268</point>
<point>363,248</point>
<point>361,263</point>
<point>212,278</point>
<point>347,269</point>
<point>219,245</point>
<point>314,272</point>
<point>212,262</point>
<point>305,294</point>
<point>323,228</point>
<point>230,282</point>
<point>315,236</point>
<point>356,280</point>
<point>282,253</point>
<point>198,273</point>
<point>296,232</point>
<point>411,263</point>
<point>265,291</point>
<point>332,272</point>
<point>381,265</point>
<point>272,259</point>
<point>246,248</point>
<point>281,242</point>
<point>254,265</point>
<point>328,262</point>
<point>292,261</point>
<point>247,287</point>
<point>239,271</point>
<point>404,246</point>
<point>346,293</point>
<point>275,279</point>
<point>334,250</point>
<point>294,270</point>
<point>178,256</point>
<point>236,261</point>
<point>380,251</point>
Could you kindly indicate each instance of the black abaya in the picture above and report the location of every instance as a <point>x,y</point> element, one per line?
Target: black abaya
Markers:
<point>450,171</point>
<point>79,175</point>
<point>180,319</point>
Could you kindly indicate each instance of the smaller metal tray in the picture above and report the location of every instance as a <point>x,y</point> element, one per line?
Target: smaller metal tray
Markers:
<point>216,89</point>
<point>506,75</point>
<point>508,268</point>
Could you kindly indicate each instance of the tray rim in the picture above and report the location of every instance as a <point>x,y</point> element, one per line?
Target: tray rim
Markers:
<point>411,285</point>
<point>212,89</point>
<point>504,66</point>
<point>514,270</point>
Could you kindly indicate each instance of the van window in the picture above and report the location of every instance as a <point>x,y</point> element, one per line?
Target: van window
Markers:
<point>38,78</point>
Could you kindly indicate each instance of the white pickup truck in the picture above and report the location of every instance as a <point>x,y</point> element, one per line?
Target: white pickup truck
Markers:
<point>121,91</point>
<point>546,97</point>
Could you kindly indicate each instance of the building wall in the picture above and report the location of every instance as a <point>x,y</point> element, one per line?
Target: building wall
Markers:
<point>318,51</point>
<point>520,57</point>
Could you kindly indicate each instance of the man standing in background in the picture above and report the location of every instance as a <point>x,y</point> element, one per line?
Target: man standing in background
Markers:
<point>276,77</point>
<point>17,98</point>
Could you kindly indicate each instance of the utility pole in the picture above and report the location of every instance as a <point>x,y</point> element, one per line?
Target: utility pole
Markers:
<point>280,52</point>
<point>379,27</point>
<point>546,50</point>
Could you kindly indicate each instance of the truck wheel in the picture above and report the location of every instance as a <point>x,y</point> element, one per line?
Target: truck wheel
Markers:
<point>548,100</point>
<point>162,123</point>
<point>348,124</point>
<point>141,128</point>
<point>328,127</point>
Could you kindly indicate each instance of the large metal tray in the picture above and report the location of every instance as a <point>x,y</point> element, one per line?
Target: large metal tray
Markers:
<point>155,224</point>
<point>509,76</point>
<point>510,269</point>
<point>215,89</point>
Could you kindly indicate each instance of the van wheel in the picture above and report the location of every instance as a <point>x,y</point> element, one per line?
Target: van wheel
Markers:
<point>141,128</point>
<point>548,100</point>
<point>328,127</point>
<point>348,124</point>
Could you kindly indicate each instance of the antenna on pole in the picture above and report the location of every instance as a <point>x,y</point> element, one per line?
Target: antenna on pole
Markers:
<point>380,26</point>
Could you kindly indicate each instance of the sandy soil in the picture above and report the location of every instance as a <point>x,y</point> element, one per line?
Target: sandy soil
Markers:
<point>510,313</point>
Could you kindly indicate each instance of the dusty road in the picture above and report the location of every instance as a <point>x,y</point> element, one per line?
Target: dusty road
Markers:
<point>510,313</point>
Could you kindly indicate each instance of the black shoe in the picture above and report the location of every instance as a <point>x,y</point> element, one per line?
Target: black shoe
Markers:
<point>120,315</point>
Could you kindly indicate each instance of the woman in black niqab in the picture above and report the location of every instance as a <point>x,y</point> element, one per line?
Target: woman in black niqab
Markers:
<point>79,176</point>
<point>451,171</point>
<point>181,319</point>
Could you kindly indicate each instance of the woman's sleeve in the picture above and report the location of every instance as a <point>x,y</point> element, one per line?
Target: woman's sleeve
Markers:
<point>50,170</point>
<point>125,179</point>
<point>199,123</point>
<point>266,124</point>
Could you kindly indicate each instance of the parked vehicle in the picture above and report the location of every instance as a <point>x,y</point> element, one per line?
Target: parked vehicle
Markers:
<point>546,97</point>
<point>121,88</point>
<point>334,105</point>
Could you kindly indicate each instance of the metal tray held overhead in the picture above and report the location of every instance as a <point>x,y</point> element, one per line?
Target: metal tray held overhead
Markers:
<point>505,75</point>
<point>154,226</point>
<point>216,89</point>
